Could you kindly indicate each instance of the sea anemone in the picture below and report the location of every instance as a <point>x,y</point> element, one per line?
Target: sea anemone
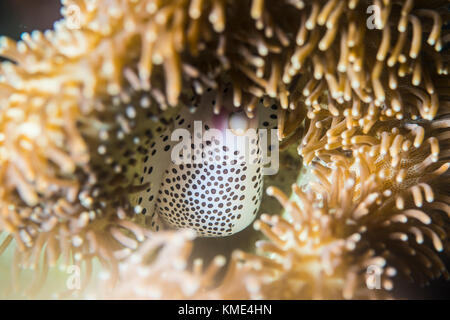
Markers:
<point>87,110</point>
<point>351,220</point>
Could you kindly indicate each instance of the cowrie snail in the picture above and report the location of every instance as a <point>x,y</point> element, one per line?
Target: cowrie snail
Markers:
<point>204,172</point>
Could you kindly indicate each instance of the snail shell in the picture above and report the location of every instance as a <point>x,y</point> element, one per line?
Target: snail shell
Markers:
<point>204,171</point>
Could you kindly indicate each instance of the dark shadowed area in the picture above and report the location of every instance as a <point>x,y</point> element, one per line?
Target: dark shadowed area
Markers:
<point>18,16</point>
